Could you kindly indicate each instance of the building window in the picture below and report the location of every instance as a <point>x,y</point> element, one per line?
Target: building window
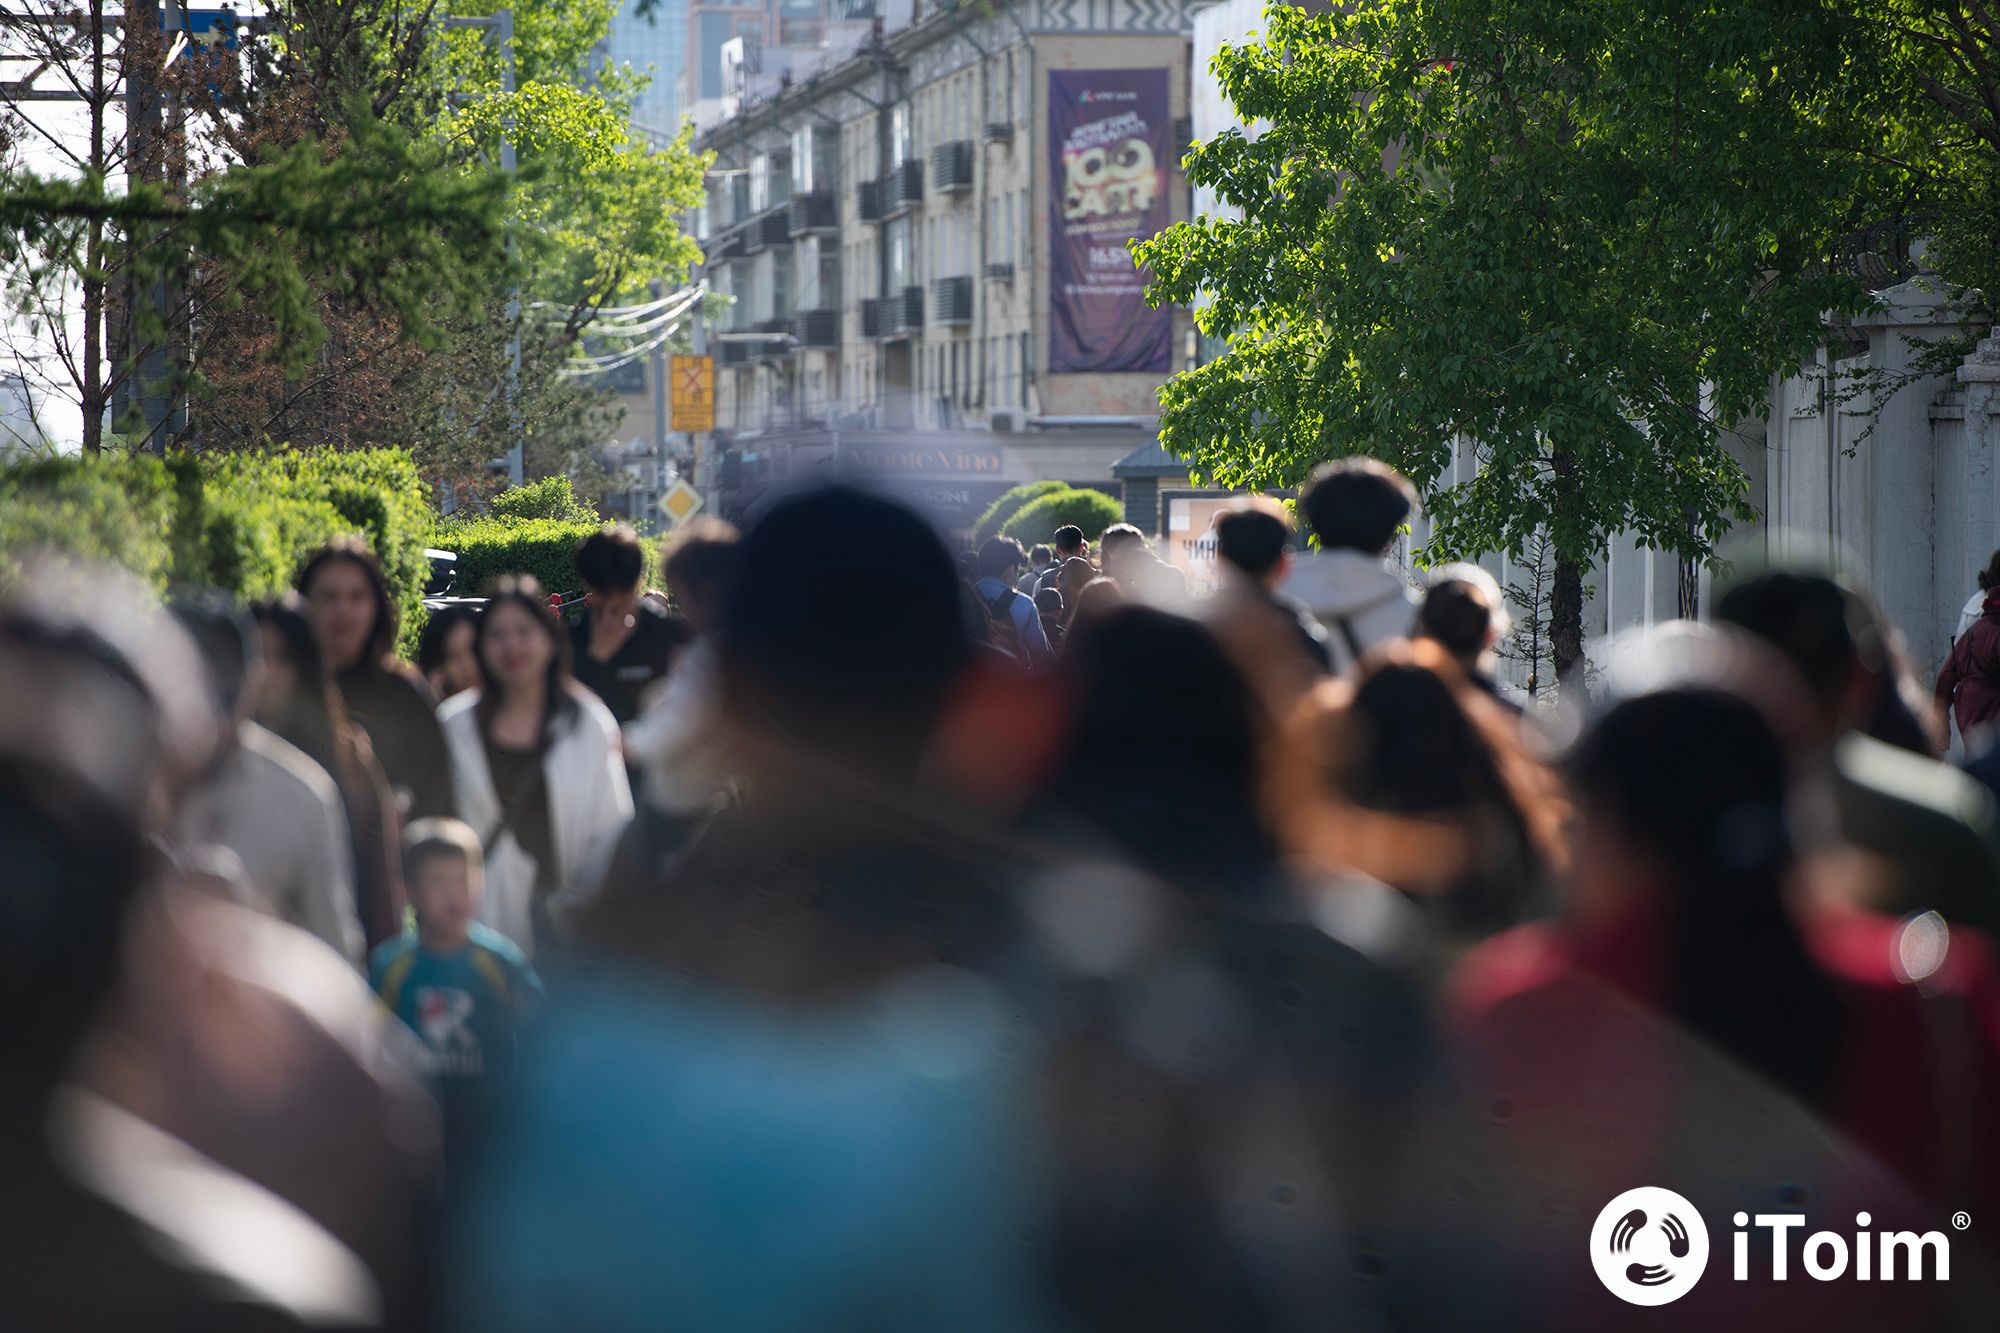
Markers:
<point>899,134</point>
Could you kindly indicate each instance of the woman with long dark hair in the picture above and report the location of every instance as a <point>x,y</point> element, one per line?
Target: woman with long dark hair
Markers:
<point>299,703</point>
<point>537,765</point>
<point>346,597</point>
<point>1696,960</point>
<point>1420,779</point>
<point>444,651</point>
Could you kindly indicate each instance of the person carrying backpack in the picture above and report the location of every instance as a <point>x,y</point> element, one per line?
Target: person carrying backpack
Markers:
<point>1969,683</point>
<point>1013,625</point>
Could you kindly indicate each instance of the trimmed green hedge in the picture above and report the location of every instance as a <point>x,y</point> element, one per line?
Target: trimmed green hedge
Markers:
<point>1093,511</point>
<point>240,524</point>
<point>551,497</point>
<point>488,547</point>
<point>1010,503</point>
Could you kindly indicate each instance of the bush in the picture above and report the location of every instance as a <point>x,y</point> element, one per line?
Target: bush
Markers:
<point>488,547</point>
<point>991,522</point>
<point>551,497</point>
<point>1093,511</point>
<point>240,524</point>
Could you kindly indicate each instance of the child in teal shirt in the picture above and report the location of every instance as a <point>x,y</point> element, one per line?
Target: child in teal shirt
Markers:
<point>462,988</point>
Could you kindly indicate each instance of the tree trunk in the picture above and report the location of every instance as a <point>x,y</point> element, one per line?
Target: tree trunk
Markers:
<point>1566,621</point>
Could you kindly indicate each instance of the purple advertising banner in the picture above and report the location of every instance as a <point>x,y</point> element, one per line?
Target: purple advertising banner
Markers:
<point>1108,132</point>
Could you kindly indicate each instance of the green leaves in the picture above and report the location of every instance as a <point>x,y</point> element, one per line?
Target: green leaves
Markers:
<point>1584,238</point>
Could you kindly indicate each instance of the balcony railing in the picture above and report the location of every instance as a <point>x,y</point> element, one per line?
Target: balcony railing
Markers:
<point>871,318</point>
<point>817,328</point>
<point>903,187</point>
<point>951,300</point>
<point>815,212</point>
<point>903,312</point>
<point>769,229</point>
<point>951,167</point>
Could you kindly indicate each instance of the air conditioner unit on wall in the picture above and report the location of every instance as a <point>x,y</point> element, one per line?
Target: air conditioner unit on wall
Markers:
<point>1006,420</point>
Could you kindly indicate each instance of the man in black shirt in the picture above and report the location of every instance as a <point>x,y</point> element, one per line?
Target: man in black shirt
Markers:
<point>621,644</point>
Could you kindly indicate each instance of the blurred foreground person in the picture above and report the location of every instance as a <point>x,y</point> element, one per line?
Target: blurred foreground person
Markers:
<point>346,597</point>
<point>1232,1096</point>
<point>444,651</point>
<point>791,1098</point>
<point>1432,791</point>
<point>109,1222</point>
<point>298,701</point>
<point>1273,639</point>
<point>1920,834</point>
<point>264,799</point>
<point>536,764</point>
<point>1704,1021</point>
<point>1355,508</point>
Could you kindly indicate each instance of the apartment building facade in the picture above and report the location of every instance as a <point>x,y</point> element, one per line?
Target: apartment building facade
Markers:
<point>924,247</point>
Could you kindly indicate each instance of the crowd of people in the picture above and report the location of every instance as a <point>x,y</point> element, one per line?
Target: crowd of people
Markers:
<point>863,937</point>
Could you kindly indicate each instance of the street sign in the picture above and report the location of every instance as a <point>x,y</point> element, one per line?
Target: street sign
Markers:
<point>693,383</point>
<point>681,501</point>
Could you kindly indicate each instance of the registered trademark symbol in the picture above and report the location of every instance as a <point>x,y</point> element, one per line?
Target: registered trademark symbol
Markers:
<point>1961,1221</point>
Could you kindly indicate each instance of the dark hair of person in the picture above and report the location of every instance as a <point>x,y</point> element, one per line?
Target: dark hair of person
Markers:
<point>525,591</point>
<point>1095,598</point>
<point>431,644</point>
<point>1697,781</point>
<point>1069,540</point>
<point>435,839</point>
<point>797,659</point>
<point>1118,536</point>
<point>1357,504</point>
<point>227,642</point>
<point>611,559</point>
<point>1041,555</point>
<point>701,558</point>
<point>1419,741</point>
<point>1049,601</point>
<point>1253,537</point>
<point>354,551</point>
<point>1806,617</point>
<point>998,555</point>
<point>1989,577</point>
<point>1456,617</point>
<point>1075,575</point>
<point>315,717</point>
<point>1181,800</point>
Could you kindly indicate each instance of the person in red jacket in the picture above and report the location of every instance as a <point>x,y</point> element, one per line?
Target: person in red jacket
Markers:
<point>1969,684</point>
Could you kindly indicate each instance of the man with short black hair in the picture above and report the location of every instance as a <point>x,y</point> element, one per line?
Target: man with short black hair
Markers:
<point>1070,544</point>
<point>1274,640</point>
<point>1355,508</point>
<point>622,643</point>
<point>1014,625</point>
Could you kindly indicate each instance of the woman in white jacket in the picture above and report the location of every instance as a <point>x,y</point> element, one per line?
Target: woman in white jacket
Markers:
<point>536,762</point>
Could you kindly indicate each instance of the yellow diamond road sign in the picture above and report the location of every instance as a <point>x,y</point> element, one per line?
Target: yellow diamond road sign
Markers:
<point>680,503</point>
<point>693,382</point>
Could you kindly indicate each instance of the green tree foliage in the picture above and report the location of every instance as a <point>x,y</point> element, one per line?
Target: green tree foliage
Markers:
<point>551,497</point>
<point>1037,521</point>
<point>1582,238</point>
<point>1009,504</point>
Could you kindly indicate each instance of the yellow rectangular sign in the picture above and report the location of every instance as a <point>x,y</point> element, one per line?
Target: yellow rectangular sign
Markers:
<point>692,384</point>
